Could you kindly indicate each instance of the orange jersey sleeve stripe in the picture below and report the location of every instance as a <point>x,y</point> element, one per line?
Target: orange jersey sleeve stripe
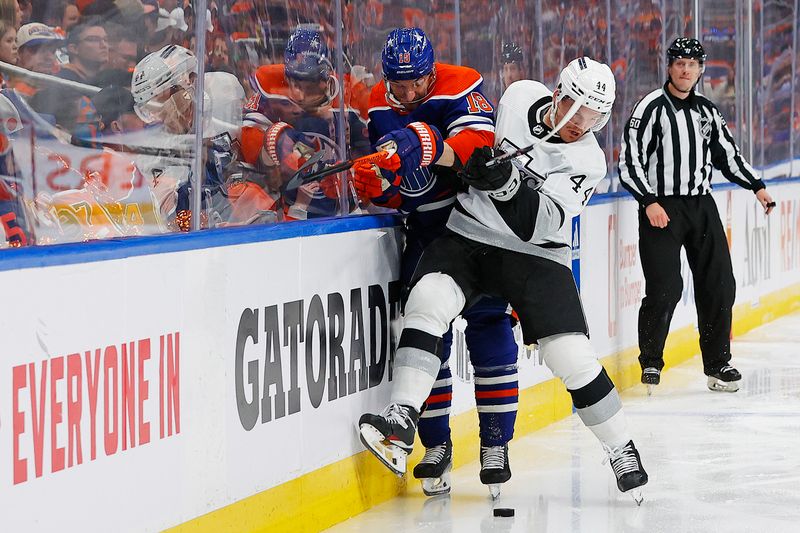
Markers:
<point>465,142</point>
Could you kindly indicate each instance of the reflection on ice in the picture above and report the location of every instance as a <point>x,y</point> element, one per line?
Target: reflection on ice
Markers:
<point>717,462</point>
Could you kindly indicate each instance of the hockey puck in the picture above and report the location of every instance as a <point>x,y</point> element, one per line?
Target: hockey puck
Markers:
<point>503,511</point>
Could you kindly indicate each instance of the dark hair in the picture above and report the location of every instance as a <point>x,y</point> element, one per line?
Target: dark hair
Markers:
<point>112,76</point>
<point>77,31</point>
<point>59,103</point>
<point>51,12</point>
<point>113,102</point>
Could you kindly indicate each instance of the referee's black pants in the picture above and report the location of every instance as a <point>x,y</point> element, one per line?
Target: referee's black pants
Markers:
<point>695,225</point>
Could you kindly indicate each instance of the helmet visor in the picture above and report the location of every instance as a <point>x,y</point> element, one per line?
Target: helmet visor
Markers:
<point>584,118</point>
<point>173,107</point>
<point>410,91</point>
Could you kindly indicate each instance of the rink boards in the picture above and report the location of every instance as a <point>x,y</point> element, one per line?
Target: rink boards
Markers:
<point>212,382</point>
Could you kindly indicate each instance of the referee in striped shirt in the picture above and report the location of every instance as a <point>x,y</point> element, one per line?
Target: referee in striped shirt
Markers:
<point>671,142</point>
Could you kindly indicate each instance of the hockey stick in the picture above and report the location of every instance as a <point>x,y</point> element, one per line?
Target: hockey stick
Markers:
<point>499,160</point>
<point>386,151</point>
<point>176,153</point>
<point>37,122</point>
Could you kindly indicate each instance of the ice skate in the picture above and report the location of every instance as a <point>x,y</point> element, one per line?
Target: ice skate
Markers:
<point>725,379</point>
<point>495,469</point>
<point>434,469</point>
<point>651,377</point>
<point>628,469</point>
<point>390,435</point>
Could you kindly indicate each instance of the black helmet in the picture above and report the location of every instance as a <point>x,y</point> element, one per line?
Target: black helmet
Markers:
<point>686,48</point>
<point>512,53</point>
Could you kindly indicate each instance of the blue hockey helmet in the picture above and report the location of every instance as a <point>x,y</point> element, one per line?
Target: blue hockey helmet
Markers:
<point>407,55</point>
<point>306,57</point>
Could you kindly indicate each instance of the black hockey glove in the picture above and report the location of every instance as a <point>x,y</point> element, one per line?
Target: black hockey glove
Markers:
<point>477,175</point>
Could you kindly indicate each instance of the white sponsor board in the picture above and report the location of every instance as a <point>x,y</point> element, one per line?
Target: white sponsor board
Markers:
<point>120,377</point>
<point>765,252</point>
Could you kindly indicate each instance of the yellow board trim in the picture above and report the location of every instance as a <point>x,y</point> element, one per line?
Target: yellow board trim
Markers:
<point>332,494</point>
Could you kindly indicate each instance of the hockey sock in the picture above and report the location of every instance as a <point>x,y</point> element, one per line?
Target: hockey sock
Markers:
<point>598,405</point>
<point>416,366</point>
<point>434,423</point>
<point>496,397</point>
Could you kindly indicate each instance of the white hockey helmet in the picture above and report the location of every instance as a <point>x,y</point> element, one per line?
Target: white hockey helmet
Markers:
<point>591,84</point>
<point>159,71</point>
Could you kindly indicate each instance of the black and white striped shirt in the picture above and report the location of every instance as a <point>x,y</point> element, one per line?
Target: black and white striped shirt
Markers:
<point>670,145</point>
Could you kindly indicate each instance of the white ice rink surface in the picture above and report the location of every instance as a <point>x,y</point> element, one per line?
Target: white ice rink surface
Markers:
<point>727,462</point>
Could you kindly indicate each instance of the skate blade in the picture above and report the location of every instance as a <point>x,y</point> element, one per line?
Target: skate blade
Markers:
<point>391,455</point>
<point>494,490</point>
<point>718,385</point>
<point>637,496</point>
<point>434,486</point>
<point>650,389</point>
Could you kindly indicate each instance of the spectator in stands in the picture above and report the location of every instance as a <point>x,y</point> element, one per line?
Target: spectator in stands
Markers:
<point>87,46</point>
<point>8,43</point>
<point>150,18</point>
<point>11,12</point>
<point>106,10</point>
<point>115,106</point>
<point>169,5</point>
<point>37,44</point>
<point>25,8</point>
<point>61,14</point>
<point>123,49</point>
<point>70,110</point>
<point>112,76</point>
<point>164,32</point>
<point>219,56</point>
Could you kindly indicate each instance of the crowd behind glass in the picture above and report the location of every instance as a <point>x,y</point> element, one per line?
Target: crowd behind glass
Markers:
<point>89,149</point>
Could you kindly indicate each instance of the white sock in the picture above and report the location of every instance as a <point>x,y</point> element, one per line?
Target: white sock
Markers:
<point>613,432</point>
<point>411,386</point>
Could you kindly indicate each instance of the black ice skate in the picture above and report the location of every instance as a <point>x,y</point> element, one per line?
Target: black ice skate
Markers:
<point>495,469</point>
<point>627,467</point>
<point>434,469</point>
<point>390,435</point>
<point>651,377</point>
<point>725,379</point>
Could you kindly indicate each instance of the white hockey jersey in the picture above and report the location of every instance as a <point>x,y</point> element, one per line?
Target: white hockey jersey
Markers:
<point>558,180</point>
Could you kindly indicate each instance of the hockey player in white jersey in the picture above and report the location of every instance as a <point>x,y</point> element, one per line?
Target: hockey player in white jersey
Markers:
<point>163,89</point>
<point>508,238</point>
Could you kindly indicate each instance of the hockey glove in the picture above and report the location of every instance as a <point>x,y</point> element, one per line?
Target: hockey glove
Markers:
<point>418,145</point>
<point>288,147</point>
<point>372,182</point>
<point>496,180</point>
